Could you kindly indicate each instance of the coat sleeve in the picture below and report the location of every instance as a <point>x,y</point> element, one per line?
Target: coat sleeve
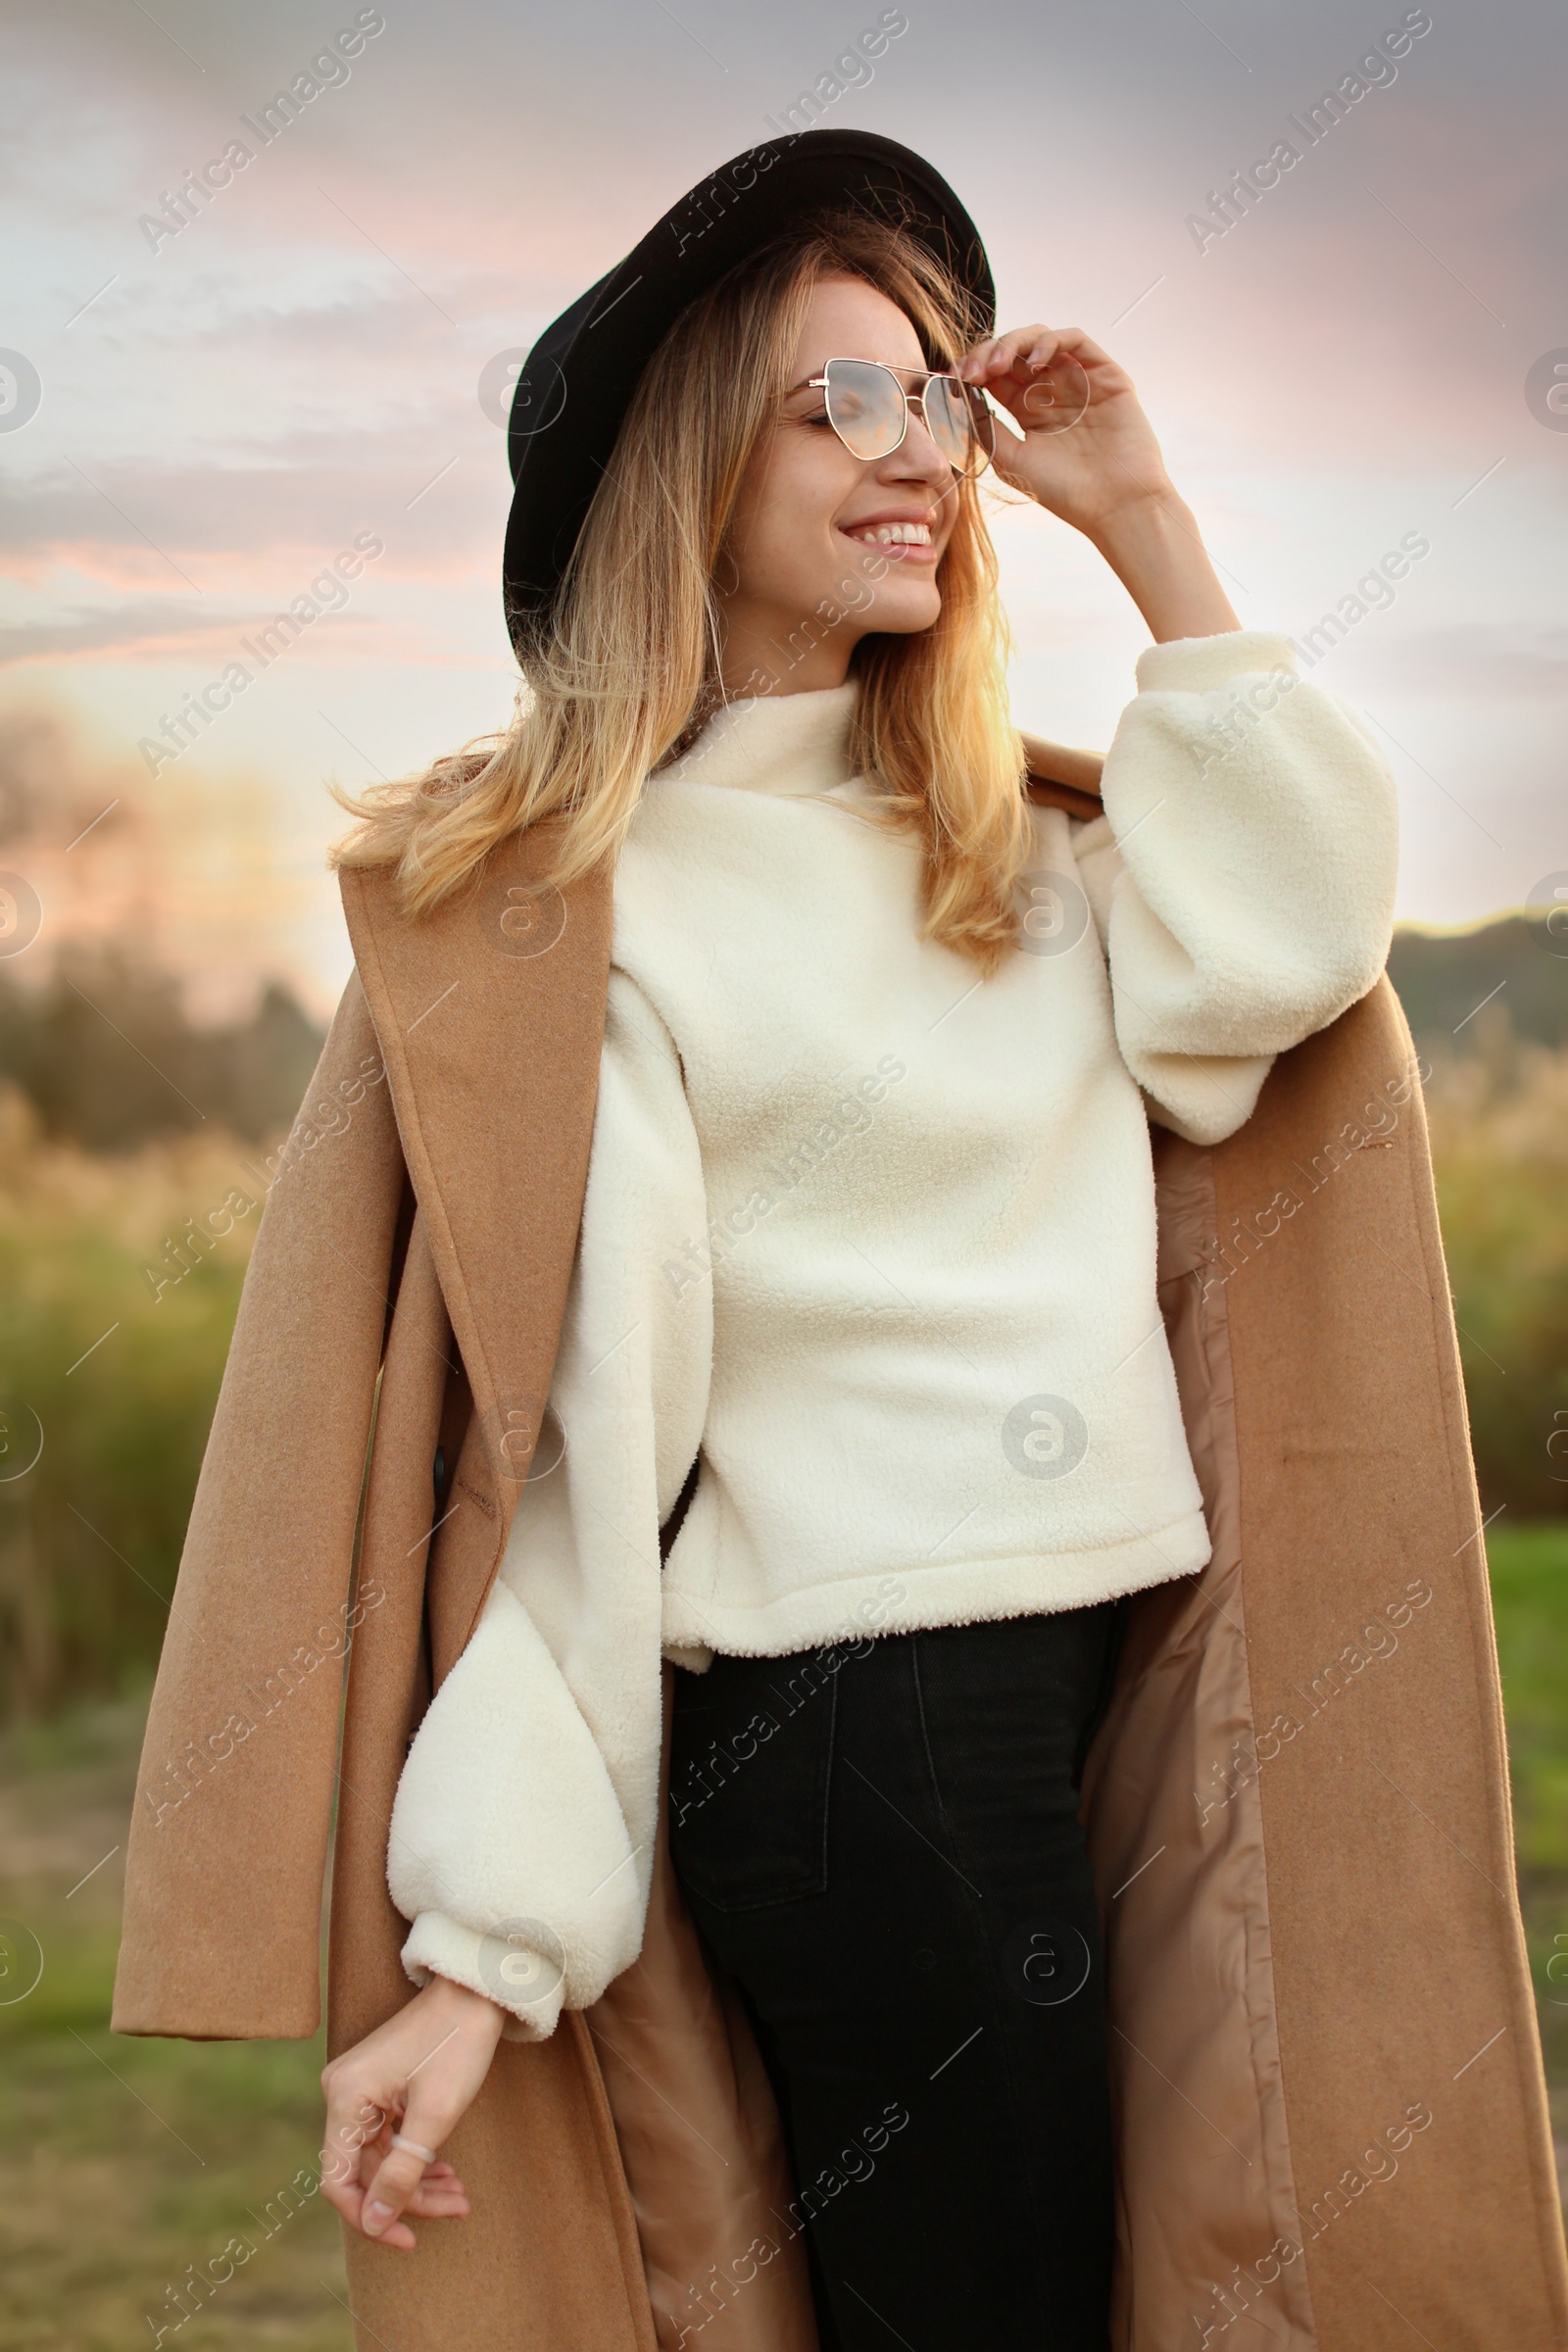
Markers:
<point>523,1833</point>
<point>1241,877</point>
<point>228,1839</point>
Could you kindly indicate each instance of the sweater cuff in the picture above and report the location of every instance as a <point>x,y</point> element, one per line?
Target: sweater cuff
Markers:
<point>695,1656</point>
<point>1199,664</point>
<point>525,1981</point>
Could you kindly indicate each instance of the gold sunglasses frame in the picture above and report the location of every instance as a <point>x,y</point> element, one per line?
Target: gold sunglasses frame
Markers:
<point>973,398</point>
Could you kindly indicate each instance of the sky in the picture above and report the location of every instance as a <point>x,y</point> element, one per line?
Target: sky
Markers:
<point>196,421</point>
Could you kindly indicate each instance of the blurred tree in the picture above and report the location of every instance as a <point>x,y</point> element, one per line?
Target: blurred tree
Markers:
<point>1500,1139</point>
<point>108,1057</point>
<point>120,1387</point>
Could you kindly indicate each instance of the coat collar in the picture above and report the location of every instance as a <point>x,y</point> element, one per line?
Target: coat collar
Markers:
<point>490,1014</point>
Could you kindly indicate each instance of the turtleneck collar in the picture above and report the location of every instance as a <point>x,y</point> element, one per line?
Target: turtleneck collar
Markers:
<point>780,742</point>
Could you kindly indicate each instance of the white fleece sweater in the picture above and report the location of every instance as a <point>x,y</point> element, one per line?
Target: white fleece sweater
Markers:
<point>875,1239</point>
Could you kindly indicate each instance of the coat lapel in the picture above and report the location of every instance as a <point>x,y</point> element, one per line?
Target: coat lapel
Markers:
<point>490,1015</point>
<point>1058,777</point>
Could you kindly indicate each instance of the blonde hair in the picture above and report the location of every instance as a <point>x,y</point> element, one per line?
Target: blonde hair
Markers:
<point>625,670</point>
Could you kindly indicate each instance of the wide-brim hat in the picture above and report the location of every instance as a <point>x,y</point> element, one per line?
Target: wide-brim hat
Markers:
<point>581,374</point>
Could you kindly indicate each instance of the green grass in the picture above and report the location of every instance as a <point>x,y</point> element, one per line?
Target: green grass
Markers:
<point>1530,1599</point>
<point>116,2181</point>
<point>125,2161</point>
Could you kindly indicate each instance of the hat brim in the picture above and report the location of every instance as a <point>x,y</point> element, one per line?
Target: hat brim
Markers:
<point>581,374</point>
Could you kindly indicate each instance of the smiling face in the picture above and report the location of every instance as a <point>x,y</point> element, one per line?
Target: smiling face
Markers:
<point>824,547</point>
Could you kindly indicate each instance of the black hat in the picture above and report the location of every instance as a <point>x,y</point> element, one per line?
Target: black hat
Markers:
<point>578,383</point>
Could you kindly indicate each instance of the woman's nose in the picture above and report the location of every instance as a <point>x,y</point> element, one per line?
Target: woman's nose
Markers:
<point>917,457</point>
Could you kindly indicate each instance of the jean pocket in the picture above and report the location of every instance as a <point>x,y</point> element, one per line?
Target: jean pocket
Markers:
<point>750,1761</point>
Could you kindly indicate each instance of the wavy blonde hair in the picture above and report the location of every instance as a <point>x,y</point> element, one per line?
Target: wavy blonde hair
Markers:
<point>624,671</point>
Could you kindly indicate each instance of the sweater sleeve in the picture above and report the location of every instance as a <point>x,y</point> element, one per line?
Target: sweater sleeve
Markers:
<point>1241,876</point>
<point>522,1831</point>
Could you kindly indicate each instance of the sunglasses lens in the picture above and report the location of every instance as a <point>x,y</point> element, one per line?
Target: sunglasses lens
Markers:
<point>983,423</point>
<point>864,407</point>
<point>959,423</point>
<point>948,415</point>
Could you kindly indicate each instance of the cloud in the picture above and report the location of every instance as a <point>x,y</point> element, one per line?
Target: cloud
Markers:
<point>366,328</point>
<point>117,630</point>
<point>142,524</point>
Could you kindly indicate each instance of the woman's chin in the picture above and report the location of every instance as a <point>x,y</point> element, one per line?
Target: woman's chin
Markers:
<point>914,604</point>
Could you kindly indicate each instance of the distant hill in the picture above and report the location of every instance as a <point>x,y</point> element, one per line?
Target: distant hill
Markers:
<point>1510,965</point>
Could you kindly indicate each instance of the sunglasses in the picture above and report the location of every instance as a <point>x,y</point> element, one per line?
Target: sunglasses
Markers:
<point>869,409</point>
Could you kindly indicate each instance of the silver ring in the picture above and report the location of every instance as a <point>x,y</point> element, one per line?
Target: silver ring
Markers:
<point>413,2147</point>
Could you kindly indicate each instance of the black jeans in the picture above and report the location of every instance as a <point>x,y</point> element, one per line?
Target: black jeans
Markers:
<point>880,1842</point>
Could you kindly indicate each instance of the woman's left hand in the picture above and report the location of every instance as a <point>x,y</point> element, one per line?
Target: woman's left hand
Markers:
<point>1085,463</point>
<point>417,2074</point>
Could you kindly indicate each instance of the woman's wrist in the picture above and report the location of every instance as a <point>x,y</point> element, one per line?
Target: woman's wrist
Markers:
<point>463,2000</point>
<point>1153,545</point>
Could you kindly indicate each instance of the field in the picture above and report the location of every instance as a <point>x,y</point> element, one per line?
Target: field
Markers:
<point>126,2163</point>
<point>122,2160</point>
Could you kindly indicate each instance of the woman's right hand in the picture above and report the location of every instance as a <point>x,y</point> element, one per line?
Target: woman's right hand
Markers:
<point>417,2075</point>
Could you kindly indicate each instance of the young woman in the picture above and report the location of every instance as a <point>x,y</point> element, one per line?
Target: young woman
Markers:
<point>864,1314</point>
<point>871,1243</point>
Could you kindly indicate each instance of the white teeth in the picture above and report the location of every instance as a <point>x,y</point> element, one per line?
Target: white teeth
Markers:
<point>894,534</point>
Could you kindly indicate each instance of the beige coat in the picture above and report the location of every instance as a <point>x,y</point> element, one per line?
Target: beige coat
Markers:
<point>1327,2076</point>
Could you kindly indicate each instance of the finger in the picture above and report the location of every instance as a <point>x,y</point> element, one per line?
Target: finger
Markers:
<point>372,2156</point>
<point>443,2176</point>
<point>429,2191</point>
<point>350,2201</point>
<point>354,2118</point>
<point>979,364</point>
<point>1065,356</point>
<point>428,2118</point>
<point>1078,346</point>
<point>1078,359</point>
<point>438,2202</point>
<point>391,2188</point>
<point>1006,354</point>
<point>359,2131</point>
<point>440,2196</point>
<point>348,2195</point>
<point>1032,347</point>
